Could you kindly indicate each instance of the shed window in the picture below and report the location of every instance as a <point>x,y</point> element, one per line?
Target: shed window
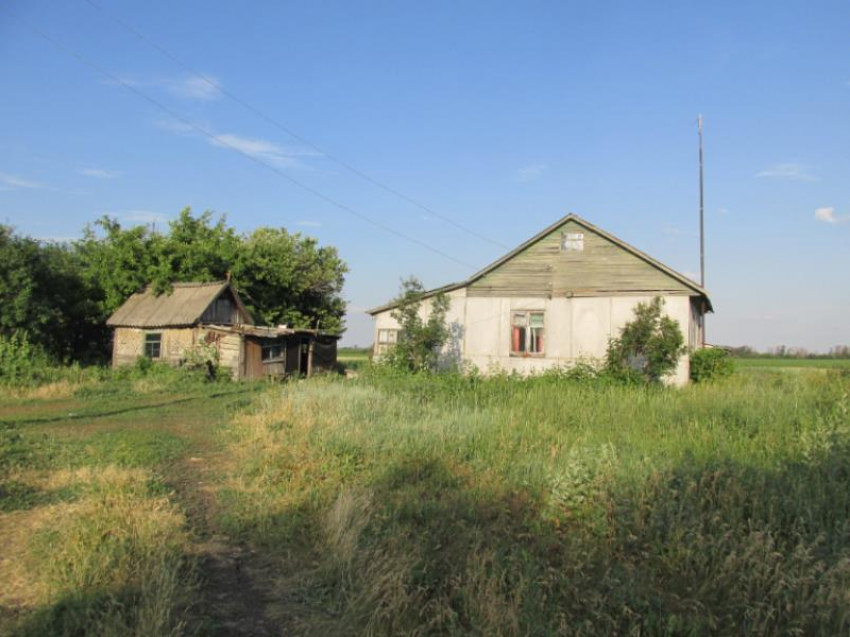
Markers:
<point>273,351</point>
<point>572,241</point>
<point>386,339</point>
<point>527,333</point>
<point>153,345</point>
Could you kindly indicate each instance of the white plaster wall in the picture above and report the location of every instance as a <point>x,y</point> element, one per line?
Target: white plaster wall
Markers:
<point>577,328</point>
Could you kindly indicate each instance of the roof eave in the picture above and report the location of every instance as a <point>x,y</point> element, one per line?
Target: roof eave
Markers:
<point>700,292</point>
<point>425,295</point>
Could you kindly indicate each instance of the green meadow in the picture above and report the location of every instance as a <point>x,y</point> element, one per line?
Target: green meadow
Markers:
<point>397,504</point>
<point>793,363</point>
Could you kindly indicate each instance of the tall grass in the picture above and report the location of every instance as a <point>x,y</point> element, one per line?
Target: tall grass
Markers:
<point>402,504</point>
<point>110,561</point>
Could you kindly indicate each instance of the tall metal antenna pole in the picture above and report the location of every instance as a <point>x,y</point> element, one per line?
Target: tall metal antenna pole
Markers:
<point>701,210</point>
<point>701,223</point>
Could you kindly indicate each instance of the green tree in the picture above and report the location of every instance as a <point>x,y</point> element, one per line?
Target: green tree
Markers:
<point>419,340</point>
<point>283,277</point>
<point>44,295</point>
<point>649,346</point>
<point>288,279</point>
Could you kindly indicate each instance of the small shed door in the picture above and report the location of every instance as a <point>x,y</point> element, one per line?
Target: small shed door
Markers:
<point>253,358</point>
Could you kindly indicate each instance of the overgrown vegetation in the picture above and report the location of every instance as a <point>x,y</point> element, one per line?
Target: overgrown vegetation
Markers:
<point>60,295</point>
<point>92,538</point>
<point>711,364</point>
<point>419,339</point>
<point>401,503</point>
<point>449,504</point>
<point>648,347</point>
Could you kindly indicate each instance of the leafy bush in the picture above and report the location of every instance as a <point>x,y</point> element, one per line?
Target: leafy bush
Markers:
<point>419,340</point>
<point>202,359</point>
<point>710,364</point>
<point>22,362</point>
<point>649,346</point>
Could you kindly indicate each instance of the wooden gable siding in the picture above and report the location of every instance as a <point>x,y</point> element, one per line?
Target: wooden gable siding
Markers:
<point>223,311</point>
<point>543,269</point>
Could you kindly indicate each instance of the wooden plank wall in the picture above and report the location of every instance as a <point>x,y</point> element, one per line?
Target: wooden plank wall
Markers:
<point>222,311</point>
<point>543,269</point>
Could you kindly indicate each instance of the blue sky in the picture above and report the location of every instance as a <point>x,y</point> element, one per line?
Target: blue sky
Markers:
<point>500,116</point>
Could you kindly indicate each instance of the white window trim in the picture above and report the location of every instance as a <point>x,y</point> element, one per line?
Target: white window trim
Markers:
<point>526,354</point>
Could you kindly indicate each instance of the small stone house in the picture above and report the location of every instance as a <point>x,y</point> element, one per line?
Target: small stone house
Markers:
<point>554,300</point>
<point>166,327</point>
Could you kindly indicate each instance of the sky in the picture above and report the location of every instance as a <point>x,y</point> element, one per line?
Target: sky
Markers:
<point>498,117</point>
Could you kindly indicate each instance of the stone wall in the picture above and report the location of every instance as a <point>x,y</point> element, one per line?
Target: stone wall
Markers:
<point>129,344</point>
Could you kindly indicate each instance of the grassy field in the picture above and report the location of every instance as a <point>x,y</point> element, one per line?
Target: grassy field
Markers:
<point>792,363</point>
<point>390,504</point>
<point>353,358</point>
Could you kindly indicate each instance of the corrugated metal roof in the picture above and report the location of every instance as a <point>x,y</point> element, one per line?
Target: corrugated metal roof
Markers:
<point>183,306</point>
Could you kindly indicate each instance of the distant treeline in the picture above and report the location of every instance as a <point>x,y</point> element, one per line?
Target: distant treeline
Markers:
<point>782,351</point>
<point>60,294</point>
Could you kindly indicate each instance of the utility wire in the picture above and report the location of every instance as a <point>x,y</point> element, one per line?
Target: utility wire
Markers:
<point>351,168</point>
<point>222,142</point>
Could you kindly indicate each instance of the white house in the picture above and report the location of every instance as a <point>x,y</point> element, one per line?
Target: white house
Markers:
<point>556,299</point>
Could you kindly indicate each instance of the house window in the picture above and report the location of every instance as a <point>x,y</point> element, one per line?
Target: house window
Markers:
<point>274,351</point>
<point>572,241</point>
<point>386,339</point>
<point>153,345</point>
<point>527,333</point>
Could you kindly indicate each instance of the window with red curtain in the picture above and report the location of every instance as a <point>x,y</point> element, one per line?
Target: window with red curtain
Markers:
<point>527,333</point>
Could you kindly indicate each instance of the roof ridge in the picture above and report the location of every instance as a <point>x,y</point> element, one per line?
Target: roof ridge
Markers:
<point>197,284</point>
<point>572,216</point>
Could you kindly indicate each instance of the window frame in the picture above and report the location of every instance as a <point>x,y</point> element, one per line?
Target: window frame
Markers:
<point>528,327</point>
<point>271,347</point>
<point>382,346</point>
<point>572,242</point>
<point>150,340</point>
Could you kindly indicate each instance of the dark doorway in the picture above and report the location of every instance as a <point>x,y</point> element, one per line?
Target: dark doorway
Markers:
<point>304,359</point>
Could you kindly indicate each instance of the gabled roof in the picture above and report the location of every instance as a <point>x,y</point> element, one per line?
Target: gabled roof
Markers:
<point>184,306</point>
<point>687,282</point>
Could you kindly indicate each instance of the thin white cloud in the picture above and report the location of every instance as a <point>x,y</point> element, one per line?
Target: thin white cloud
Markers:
<point>262,149</point>
<point>531,172</point>
<point>672,231</point>
<point>197,88</point>
<point>827,215</point>
<point>99,173</point>
<point>11,182</point>
<point>143,216</point>
<point>177,127</point>
<point>309,224</point>
<point>259,148</point>
<point>187,87</point>
<point>723,211</point>
<point>788,170</point>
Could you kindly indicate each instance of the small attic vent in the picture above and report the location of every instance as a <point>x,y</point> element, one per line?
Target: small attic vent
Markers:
<point>572,241</point>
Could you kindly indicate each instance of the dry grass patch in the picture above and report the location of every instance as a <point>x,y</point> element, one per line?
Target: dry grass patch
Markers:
<point>50,391</point>
<point>112,562</point>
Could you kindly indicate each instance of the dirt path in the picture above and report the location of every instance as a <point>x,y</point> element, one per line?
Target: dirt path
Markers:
<point>235,580</point>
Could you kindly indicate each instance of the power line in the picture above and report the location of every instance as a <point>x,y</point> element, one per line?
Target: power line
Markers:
<point>222,142</point>
<point>351,168</point>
